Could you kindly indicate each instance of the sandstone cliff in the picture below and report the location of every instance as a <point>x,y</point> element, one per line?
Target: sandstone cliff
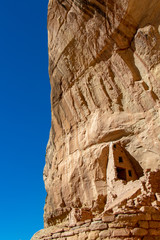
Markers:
<point>104,67</point>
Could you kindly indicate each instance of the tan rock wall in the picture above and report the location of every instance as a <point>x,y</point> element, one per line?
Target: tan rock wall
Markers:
<point>105,87</point>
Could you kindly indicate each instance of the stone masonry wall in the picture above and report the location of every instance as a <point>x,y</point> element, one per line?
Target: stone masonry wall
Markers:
<point>128,226</point>
<point>135,218</point>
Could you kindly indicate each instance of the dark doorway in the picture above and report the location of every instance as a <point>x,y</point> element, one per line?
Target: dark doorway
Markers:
<point>121,173</point>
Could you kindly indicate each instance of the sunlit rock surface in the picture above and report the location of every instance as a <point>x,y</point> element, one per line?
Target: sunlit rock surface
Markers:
<point>104,67</point>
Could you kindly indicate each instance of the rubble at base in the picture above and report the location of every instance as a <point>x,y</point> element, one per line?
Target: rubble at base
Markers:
<point>137,217</point>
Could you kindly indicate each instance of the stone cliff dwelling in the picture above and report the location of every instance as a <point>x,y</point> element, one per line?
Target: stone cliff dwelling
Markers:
<point>122,167</point>
<point>119,173</point>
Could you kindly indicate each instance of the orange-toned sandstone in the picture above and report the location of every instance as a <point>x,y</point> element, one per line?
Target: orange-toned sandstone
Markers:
<point>104,67</point>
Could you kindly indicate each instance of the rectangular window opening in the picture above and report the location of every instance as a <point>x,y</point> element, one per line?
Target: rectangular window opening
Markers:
<point>121,173</point>
<point>130,173</point>
<point>120,159</point>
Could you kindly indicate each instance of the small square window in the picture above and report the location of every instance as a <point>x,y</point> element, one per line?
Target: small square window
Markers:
<point>114,145</point>
<point>130,173</point>
<point>120,159</point>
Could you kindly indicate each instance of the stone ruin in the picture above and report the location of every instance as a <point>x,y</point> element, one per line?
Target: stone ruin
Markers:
<point>133,215</point>
<point>131,212</point>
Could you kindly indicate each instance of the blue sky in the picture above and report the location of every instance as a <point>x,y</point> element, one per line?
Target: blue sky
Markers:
<point>24,116</point>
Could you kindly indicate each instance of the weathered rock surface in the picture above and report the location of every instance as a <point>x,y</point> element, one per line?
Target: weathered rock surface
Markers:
<point>104,67</point>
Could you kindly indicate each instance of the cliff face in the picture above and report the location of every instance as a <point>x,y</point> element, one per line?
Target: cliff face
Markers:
<point>104,67</point>
<point>104,72</point>
<point>105,87</point>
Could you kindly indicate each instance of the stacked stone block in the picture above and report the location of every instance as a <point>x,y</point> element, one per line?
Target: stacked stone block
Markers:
<point>125,226</point>
<point>135,218</point>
